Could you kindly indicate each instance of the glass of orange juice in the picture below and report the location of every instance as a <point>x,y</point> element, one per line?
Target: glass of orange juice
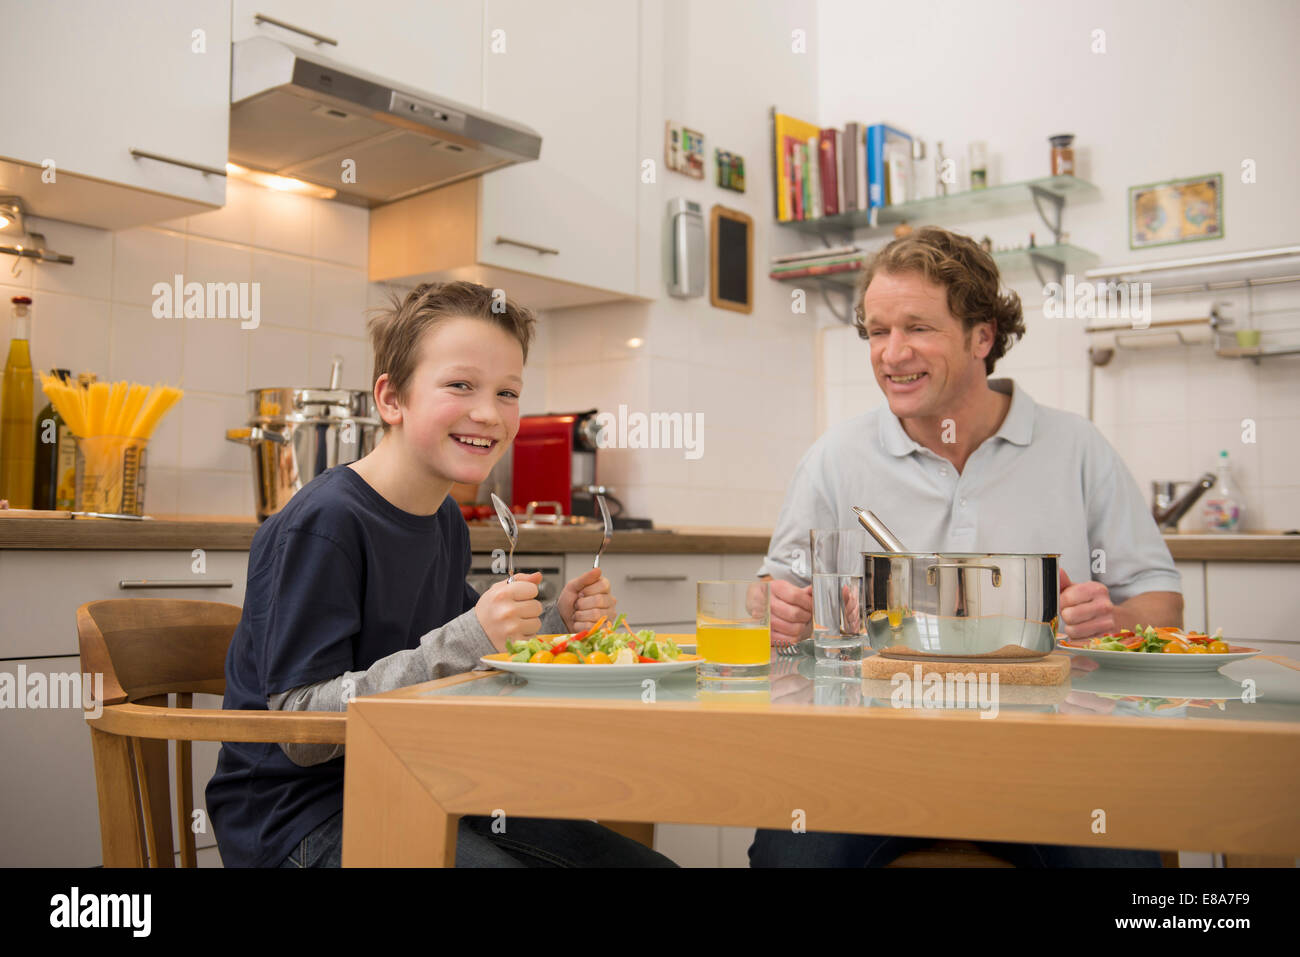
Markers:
<point>733,630</point>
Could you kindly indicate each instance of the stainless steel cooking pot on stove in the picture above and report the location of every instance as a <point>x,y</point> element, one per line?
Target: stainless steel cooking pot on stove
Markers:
<point>295,434</point>
<point>959,606</point>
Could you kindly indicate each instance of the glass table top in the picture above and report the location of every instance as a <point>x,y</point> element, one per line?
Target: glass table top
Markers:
<point>1254,689</point>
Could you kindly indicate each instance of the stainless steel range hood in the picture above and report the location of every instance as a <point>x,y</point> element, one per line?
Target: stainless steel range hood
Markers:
<point>296,113</point>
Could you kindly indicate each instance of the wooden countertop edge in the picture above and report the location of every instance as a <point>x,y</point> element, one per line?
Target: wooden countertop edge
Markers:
<point>218,533</point>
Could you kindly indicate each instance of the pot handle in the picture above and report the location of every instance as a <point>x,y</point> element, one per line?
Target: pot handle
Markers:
<point>255,434</point>
<point>932,575</point>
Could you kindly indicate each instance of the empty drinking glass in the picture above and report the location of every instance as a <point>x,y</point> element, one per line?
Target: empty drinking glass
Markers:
<point>839,618</point>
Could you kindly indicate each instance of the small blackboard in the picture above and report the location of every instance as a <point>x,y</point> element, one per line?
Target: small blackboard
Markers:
<point>731,260</point>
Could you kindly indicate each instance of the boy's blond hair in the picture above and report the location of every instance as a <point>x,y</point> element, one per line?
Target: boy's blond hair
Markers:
<point>397,329</point>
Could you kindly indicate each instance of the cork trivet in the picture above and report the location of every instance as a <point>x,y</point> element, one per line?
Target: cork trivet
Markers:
<point>1051,670</point>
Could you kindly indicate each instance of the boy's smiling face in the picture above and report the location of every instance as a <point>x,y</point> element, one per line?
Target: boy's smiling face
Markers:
<point>462,404</point>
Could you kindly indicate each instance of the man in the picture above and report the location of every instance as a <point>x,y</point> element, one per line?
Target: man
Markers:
<point>962,463</point>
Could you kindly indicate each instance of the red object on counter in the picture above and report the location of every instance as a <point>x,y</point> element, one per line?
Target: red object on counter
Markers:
<point>543,460</point>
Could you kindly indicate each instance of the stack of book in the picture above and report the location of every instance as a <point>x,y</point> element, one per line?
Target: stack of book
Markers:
<point>825,172</point>
<point>817,262</point>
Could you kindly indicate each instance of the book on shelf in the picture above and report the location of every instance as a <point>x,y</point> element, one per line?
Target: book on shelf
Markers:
<point>813,208</point>
<point>789,134</point>
<point>887,149</point>
<point>820,253</point>
<point>828,171</point>
<point>848,166</point>
<point>823,269</point>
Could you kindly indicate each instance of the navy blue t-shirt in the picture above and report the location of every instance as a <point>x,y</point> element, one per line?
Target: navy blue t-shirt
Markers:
<point>337,579</point>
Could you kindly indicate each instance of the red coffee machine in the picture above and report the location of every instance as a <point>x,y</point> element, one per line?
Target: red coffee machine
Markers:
<point>554,460</point>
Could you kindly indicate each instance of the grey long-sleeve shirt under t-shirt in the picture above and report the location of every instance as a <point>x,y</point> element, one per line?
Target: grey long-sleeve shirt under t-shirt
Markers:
<point>452,649</point>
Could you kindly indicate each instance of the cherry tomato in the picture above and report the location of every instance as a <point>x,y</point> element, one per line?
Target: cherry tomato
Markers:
<point>541,658</point>
<point>1175,648</point>
<point>597,658</point>
<point>1218,647</point>
<point>566,658</point>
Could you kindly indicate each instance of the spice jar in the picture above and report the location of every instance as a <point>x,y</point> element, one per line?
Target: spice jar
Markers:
<point>1062,154</point>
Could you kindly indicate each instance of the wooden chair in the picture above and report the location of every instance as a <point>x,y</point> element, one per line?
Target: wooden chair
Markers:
<point>147,649</point>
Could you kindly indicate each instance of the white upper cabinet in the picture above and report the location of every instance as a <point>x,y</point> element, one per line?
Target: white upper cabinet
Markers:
<point>431,47</point>
<point>91,87</point>
<point>570,72</point>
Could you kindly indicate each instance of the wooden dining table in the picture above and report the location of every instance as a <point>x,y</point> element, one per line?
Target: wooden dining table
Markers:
<point>1156,761</point>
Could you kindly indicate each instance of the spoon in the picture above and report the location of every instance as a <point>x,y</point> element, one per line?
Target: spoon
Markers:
<point>507,518</point>
<point>609,527</point>
<point>879,531</point>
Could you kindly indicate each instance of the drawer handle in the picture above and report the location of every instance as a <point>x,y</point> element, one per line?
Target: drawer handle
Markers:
<point>210,170</point>
<point>176,583</point>
<point>655,578</point>
<point>319,38</point>
<point>502,240</point>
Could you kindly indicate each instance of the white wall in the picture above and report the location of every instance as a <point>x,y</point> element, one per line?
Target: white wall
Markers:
<point>716,67</point>
<point>1184,88</point>
<point>309,256</point>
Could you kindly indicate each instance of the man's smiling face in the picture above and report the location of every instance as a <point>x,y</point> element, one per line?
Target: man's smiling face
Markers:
<point>462,405</point>
<point>925,361</point>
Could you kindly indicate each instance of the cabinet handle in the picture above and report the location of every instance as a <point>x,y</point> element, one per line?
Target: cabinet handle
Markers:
<point>211,170</point>
<point>654,578</point>
<point>502,240</point>
<point>319,38</point>
<point>176,583</point>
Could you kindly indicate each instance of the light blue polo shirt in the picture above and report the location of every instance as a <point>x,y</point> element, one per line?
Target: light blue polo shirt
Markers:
<point>1046,481</point>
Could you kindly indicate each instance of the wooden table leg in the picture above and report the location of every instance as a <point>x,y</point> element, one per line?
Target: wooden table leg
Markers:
<point>637,830</point>
<point>389,819</point>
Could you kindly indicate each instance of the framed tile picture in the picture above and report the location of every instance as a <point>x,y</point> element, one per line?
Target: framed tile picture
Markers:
<point>1177,211</point>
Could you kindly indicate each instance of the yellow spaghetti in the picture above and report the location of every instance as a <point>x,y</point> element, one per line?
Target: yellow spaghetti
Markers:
<point>112,423</point>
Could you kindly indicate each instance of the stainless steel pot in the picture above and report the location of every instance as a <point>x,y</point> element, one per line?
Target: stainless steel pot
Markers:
<point>295,434</point>
<point>961,606</point>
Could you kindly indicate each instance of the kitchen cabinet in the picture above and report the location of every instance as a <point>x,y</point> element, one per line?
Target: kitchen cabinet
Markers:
<point>67,579</point>
<point>1255,603</point>
<point>561,230</point>
<point>89,85</point>
<point>434,48</point>
<point>658,591</point>
<point>579,198</point>
<point>1193,575</point>
<point>49,810</point>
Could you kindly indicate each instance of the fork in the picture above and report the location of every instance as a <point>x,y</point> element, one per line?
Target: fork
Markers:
<point>801,647</point>
<point>609,527</point>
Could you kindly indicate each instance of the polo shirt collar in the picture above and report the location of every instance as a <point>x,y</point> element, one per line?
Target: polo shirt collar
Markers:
<point>1017,428</point>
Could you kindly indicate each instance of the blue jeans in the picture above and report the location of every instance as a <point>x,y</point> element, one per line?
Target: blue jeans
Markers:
<point>526,842</point>
<point>824,849</point>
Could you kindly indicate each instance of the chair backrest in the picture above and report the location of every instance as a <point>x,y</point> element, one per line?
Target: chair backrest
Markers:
<point>146,649</point>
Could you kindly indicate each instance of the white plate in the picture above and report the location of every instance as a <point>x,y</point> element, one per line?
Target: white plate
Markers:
<point>590,674</point>
<point>1157,661</point>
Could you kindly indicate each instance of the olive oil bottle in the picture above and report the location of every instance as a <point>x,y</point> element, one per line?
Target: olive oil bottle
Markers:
<point>16,433</point>
<point>56,458</point>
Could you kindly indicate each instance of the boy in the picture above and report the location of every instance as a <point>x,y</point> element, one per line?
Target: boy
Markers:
<point>357,586</point>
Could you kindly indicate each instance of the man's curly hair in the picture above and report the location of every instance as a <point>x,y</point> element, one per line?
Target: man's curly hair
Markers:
<point>965,270</point>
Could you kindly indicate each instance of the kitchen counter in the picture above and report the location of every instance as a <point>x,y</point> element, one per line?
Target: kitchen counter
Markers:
<point>235,533</point>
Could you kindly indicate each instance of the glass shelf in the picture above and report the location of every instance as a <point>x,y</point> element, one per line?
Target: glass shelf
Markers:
<point>1070,259</point>
<point>971,204</point>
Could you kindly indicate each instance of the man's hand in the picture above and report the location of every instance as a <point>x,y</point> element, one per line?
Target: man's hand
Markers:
<point>792,609</point>
<point>1086,608</point>
<point>585,600</point>
<point>509,611</point>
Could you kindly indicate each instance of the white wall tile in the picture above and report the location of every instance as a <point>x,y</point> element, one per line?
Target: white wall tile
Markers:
<point>204,421</point>
<point>165,443</point>
<point>162,487</point>
<point>285,284</point>
<point>1279,451</point>
<point>340,233</point>
<point>90,276</point>
<point>209,261</point>
<point>144,349</point>
<point>338,300</point>
<point>215,493</point>
<point>357,363</point>
<point>215,356</point>
<point>142,257</point>
<point>278,358</point>
<point>282,222</point>
<point>234,221</point>
<point>69,332</point>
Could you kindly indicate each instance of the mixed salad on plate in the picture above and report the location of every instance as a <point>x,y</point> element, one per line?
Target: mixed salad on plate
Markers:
<point>1166,641</point>
<point>601,644</point>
